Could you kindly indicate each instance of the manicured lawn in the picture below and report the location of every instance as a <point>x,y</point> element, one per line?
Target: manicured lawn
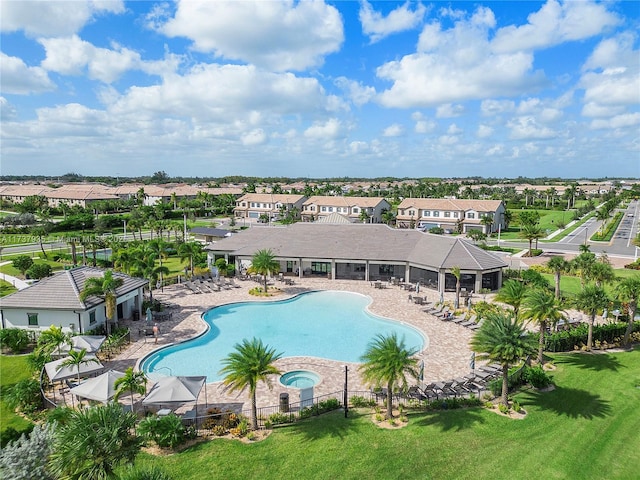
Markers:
<point>6,288</point>
<point>571,285</point>
<point>587,428</point>
<point>13,368</point>
<point>9,269</point>
<point>548,221</point>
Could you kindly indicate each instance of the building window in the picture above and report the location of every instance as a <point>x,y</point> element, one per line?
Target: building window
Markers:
<point>426,213</point>
<point>92,317</point>
<point>412,213</point>
<point>455,214</point>
<point>471,215</point>
<point>356,210</point>
<point>447,214</point>
<point>436,214</point>
<point>324,209</point>
<point>33,319</point>
<point>320,267</point>
<point>331,209</point>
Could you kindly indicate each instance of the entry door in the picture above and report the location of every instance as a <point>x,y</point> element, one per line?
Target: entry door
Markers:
<point>120,311</point>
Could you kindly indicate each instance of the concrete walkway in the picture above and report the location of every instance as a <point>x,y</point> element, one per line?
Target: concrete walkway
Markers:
<point>16,282</point>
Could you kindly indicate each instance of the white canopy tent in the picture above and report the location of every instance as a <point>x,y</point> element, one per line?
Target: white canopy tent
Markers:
<point>57,373</point>
<point>91,343</point>
<point>176,390</point>
<point>100,388</point>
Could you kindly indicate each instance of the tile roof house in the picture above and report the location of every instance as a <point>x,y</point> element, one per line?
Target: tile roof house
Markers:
<point>451,214</point>
<point>56,300</point>
<point>351,207</point>
<point>253,205</point>
<point>365,252</point>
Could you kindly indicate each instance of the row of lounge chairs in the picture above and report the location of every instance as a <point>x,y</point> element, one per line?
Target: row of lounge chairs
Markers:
<point>474,383</point>
<point>444,313</point>
<point>204,284</point>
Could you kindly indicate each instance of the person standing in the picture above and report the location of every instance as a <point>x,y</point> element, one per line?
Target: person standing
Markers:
<point>156,331</point>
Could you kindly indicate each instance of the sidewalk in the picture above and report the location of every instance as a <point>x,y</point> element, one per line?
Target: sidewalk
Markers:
<point>16,282</point>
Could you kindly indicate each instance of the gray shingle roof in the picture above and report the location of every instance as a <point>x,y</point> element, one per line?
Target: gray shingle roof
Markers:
<point>360,242</point>
<point>62,290</point>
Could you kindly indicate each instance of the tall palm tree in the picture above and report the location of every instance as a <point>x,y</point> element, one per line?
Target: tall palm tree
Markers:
<point>582,264</point>
<point>94,442</point>
<point>541,306</point>
<point>104,287</point>
<point>512,293</point>
<point>600,273</point>
<point>559,266</point>
<point>189,251</point>
<point>503,339</point>
<point>388,361</point>
<point>590,300</point>
<point>132,382</point>
<point>531,233</point>
<point>628,292</point>
<point>455,271</point>
<point>76,359</point>
<point>251,362</point>
<point>264,263</point>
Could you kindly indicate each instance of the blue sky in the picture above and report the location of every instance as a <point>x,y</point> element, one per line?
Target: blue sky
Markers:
<point>320,88</point>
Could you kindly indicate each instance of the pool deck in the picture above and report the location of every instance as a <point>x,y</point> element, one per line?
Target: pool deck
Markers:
<point>446,355</point>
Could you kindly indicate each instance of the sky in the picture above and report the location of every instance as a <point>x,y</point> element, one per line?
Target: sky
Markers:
<point>320,89</point>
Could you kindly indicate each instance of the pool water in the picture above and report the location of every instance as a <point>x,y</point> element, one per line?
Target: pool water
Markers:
<point>328,324</point>
<point>300,379</point>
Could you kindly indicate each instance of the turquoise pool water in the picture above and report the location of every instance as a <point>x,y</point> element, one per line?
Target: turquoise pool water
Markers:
<point>328,324</point>
<point>300,379</point>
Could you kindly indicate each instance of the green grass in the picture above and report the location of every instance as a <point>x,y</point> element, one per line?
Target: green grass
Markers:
<point>548,222</point>
<point>6,288</point>
<point>571,284</point>
<point>13,368</point>
<point>587,428</point>
<point>9,269</point>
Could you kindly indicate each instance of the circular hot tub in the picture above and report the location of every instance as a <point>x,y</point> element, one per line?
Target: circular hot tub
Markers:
<point>300,379</point>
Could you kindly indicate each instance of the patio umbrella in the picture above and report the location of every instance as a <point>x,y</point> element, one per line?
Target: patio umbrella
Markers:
<point>175,390</point>
<point>441,297</point>
<point>91,343</point>
<point>71,371</point>
<point>149,317</point>
<point>100,388</point>
<point>421,372</point>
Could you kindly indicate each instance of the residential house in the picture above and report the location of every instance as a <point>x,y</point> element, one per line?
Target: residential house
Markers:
<point>351,207</point>
<point>451,214</point>
<point>253,205</point>
<point>56,300</point>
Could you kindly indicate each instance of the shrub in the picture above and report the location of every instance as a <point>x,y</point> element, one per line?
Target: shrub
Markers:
<point>568,340</point>
<point>166,431</point>
<point>15,339</point>
<point>151,472</point>
<point>358,402</point>
<point>279,418</point>
<point>39,270</point>
<point>27,457</point>
<point>10,434</point>
<point>22,263</point>
<point>25,396</point>
<point>328,405</point>
<point>502,408</point>
<point>537,377</point>
<point>219,431</point>
<point>516,406</point>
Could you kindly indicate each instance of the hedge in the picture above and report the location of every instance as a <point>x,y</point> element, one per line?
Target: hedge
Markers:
<point>568,340</point>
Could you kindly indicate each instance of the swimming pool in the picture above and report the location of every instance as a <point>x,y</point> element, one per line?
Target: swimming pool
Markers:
<point>327,324</point>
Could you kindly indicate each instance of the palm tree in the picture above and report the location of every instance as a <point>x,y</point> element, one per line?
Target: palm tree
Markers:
<point>503,339</point>
<point>264,263</point>
<point>541,306</point>
<point>104,287</point>
<point>132,382</point>
<point>250,363</point>
<point>590,300</point>
<point>559,266</point>
<point>189,251</point>
<point>601,272</point>
<point>531,232</point>
<point>387,360</point>
<point>94,442</point>
<point>455,271</point>
<point>582,264</point>
<point>53,338</point>
<point>512,293</point>
<point>628,292</point>
<point>602,215</point>
<point>75,359</point>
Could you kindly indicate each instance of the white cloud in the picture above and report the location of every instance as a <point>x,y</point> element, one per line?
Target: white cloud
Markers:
<point>556,23</point>
<point>394,130</point>
<point>7,111</point>
<point>71,55</point>
<point>454,129</point>
<point>619,121</point>
<point>331,129</point>
<point>449,111</point>
<point>53,18</point>
<point>18,78</point>
<point>455,65</point>
<point>358,147</point>
<point>484,131</point>
<point>278,35</point>
<point>527,127</point>
<point>425,126</point>
<point>448,139</point>
<point>495,107</point>
<point>254,137</point>
<point>357,93</point>
<point>497,149</point>
<point>377,26</point>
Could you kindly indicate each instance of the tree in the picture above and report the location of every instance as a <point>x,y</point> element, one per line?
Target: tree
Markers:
<point>132,382</point>
<point>512,293</point>
<point>455,271</point>
<point>476,235</point>
<point>251,362</point>
<point>541,306</point>
<point>22,263</point>
<point>53,338</point>
<point>600,273</point>
<point>590,300</point>
<point>582,264</point>
<point>38,271</point>
<point>559,266</point>
<point>264,263</point>
<point>531,233</point>
<point>487,222</point>
<point>94,442</point>
<point>104,287</point>
<point>628,292</point>
<point>189,251</point>
<point>503,339</point>
<point>75,359</point>
<point>388,361</point>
